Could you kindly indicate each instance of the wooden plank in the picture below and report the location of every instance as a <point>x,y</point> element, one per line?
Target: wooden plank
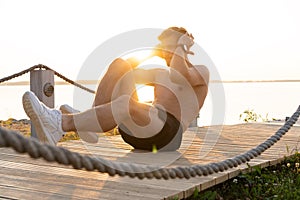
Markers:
<point>74,191</point>
<point>207,183</point>
<point>101,181</point>
<point>7,192</point>
<point>94,182</point>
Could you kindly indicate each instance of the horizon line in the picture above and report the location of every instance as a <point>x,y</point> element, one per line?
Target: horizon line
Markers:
<point>94,82</point>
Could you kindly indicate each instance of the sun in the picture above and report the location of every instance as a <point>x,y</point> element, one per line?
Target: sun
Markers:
<point>145,93</point>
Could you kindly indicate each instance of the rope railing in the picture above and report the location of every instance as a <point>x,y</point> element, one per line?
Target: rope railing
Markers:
<point>63,156</point>
<point>40,66</point>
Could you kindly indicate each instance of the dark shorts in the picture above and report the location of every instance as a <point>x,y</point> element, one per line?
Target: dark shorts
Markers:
<point>168,139</point>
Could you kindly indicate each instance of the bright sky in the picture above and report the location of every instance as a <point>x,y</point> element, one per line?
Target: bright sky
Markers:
<point>246,40</point>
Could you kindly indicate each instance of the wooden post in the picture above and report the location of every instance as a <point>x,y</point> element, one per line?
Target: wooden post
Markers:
<point>42,84</point>
<point>194,123</point>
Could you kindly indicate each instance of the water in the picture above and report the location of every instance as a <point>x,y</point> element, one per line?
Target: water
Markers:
<point>11,99</point>
<point>277,99</point>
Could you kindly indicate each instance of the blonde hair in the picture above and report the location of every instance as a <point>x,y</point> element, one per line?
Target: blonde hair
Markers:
<point>179,31</point>
<point>171,31</point>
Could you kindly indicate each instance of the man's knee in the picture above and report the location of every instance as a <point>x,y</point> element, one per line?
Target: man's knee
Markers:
<point>120,65</point>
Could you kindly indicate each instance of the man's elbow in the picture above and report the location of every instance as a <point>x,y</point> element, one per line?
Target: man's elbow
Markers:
<point>205,75</point>
<point>199,75</point>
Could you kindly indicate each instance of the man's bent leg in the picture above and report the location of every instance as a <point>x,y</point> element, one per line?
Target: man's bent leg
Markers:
<point>140,118</point>
<point>107,86</point>
<point>117,69</point>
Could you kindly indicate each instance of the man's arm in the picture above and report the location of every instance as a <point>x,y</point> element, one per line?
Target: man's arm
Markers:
<point>145,76</point>
<point>142,76</point>
<point>182,71</point>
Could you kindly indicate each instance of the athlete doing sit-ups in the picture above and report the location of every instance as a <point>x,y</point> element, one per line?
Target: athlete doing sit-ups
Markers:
<point>179,93</point>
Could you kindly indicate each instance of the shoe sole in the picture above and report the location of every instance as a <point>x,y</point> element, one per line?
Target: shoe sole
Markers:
<point>37,123</point>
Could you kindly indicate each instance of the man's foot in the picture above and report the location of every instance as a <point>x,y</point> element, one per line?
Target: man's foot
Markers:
<point>66,109</point>
<point>47,122</point>
<point>89,137</point>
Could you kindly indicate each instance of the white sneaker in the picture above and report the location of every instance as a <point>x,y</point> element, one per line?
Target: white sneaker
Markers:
<point>47,122</point>
<point>90,137</point>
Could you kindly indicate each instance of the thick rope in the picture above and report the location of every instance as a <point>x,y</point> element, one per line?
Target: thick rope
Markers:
<point>2,80</point>
<point>40,66</point>
<point>63,156</point>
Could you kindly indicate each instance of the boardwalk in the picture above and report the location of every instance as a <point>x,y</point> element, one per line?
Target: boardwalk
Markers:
<point>24,178</point>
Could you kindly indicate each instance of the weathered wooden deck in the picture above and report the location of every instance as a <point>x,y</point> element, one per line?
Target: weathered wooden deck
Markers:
<point>24,178</point>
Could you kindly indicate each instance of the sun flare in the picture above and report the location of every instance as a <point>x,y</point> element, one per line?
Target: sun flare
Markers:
<point>145,93</point>
<point>141,55</point>
<point>146,59</point>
